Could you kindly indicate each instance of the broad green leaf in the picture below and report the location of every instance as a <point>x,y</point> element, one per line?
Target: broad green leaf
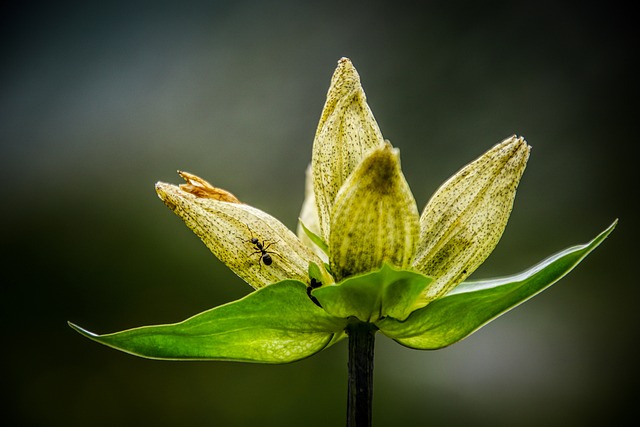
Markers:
<point>276,324</point>
<point>473,304</point>
<point>373,296</point>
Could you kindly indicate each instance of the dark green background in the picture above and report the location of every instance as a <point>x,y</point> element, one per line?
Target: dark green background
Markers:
<point>100,101</point>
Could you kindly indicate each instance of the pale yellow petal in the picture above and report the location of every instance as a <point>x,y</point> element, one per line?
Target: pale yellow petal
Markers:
<point>346,132</point>
<point>375,218</point>
<point>465,218</point>
<point>227,229</point>
<point>309,217</point>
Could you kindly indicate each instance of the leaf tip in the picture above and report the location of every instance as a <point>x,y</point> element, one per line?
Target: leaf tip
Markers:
<point>81,331</point>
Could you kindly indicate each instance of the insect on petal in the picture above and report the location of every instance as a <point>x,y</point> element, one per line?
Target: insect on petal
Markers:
<point>241,236</point>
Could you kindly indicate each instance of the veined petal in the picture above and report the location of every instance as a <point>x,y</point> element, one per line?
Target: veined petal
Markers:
<point>375,218</point>
<point>309,216</point>
<point>346,132</point>
<point>227,229</point>
<point>465,218</point>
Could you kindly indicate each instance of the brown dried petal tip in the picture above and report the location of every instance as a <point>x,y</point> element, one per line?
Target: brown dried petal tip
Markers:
<point>201,188</point>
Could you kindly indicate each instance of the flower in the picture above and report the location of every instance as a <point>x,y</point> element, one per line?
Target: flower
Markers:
<point>364,209</point>
<point>362,252</point>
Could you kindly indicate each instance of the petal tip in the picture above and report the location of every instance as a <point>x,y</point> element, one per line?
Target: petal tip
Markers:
<point>161,188</point>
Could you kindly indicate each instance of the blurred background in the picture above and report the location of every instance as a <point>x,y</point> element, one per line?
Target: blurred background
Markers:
<point>99,100</point>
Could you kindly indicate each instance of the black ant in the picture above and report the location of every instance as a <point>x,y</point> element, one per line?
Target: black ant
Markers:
<point>265,257</point>
<point>314,285</point>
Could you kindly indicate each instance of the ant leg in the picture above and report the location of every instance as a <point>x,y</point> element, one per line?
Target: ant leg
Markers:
<point>258,252</point>
<point>265,247</point>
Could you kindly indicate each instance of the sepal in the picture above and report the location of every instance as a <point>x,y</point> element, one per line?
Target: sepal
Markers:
<point>370,297</point>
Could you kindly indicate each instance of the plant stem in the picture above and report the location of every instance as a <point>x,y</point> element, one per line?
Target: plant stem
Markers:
<point>360,391</point>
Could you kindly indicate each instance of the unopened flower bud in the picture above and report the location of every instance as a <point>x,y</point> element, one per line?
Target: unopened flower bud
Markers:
<point>374,219</point>
<point>346,132</point>
<point>465,218</point>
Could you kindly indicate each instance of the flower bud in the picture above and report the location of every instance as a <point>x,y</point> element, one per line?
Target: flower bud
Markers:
<point>374,219</point>
<point>465,218</point>
<point>346,132</point>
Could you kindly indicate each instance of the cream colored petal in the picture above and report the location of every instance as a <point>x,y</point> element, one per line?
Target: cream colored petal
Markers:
<point>309,217</point>
<point>346,131</point>
<point>375,218</point>
<point>465,218</point>
<point>227,229</point>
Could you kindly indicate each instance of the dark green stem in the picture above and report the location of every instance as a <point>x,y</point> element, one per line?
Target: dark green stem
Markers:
<point>360,392</point>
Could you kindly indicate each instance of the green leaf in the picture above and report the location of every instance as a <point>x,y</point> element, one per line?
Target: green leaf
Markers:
<point>320,275</point>
<point>473,304</point>
<point>372,296</point>
<point>315,239</point>
<point>276,324</point>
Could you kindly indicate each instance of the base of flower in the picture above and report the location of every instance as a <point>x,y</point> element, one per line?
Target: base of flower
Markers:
<point>360,366</point>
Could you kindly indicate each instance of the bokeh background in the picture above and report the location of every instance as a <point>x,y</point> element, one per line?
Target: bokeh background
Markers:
<point>99,100</point>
